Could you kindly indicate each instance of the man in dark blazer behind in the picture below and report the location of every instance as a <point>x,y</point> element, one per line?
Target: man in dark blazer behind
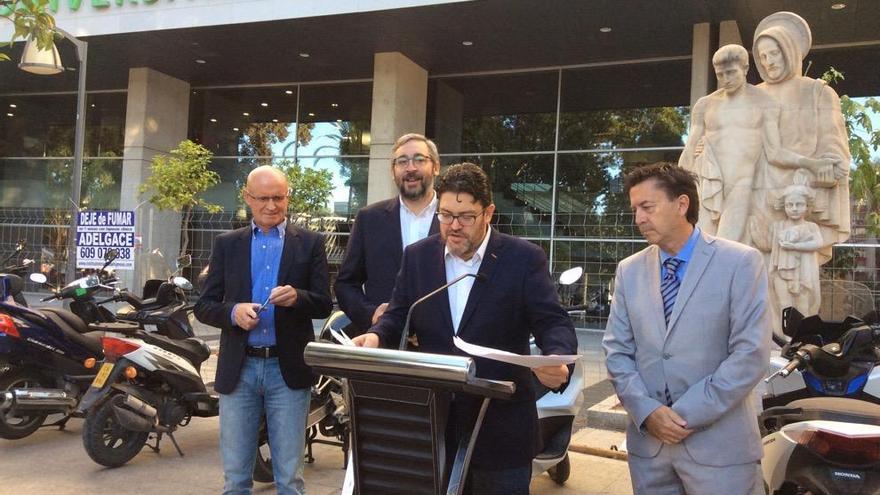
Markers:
<point>260,368</point>
<point>382,229</point>
<point>515,299</point>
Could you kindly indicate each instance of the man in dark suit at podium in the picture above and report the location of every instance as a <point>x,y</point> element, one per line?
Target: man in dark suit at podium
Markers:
<point>382,229</point>
<point>513,298</point>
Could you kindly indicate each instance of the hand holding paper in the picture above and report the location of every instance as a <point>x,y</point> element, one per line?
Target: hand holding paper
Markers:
<point>509,357</point>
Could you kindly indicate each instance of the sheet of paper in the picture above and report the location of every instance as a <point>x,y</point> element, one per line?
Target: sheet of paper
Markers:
<point>341,337</point>
<point>509,357</point>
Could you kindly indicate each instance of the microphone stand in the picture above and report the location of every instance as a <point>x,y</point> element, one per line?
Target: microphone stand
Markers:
<point>456,280</point>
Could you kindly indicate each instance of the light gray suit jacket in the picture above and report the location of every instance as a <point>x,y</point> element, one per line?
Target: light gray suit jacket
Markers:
<point>712,354</point>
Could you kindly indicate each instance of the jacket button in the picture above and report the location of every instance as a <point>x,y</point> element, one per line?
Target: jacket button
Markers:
<point>666,355</point>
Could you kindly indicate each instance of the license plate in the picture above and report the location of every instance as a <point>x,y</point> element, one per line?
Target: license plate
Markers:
<point>102,375</point>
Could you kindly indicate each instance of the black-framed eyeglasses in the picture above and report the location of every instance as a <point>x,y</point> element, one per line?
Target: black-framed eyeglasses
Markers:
<point>266,199</point>
<point>465,219</point>
<point>418,160</point>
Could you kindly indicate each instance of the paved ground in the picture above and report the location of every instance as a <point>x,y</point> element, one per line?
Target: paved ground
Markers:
<point>53,461</point>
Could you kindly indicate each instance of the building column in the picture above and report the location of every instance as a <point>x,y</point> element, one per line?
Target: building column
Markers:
<point>400,95</point>
<point>728,34</point>
<point>701,62</point>
<point>156,118</point>
<point>448,118</point>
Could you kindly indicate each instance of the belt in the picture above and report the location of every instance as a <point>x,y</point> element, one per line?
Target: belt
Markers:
<point>261,352</point>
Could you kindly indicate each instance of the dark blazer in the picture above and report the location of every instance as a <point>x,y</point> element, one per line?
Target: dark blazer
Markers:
<point>303,267</point>
<point>372,260</point>
<point>516,299</point>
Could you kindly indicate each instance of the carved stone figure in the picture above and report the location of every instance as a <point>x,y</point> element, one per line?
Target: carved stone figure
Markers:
<point>810,124</point>
<point>734,133</point>
<point>794,260</point>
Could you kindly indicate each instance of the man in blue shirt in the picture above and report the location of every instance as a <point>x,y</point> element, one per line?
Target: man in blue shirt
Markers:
<point>687,340</point>
<point>265,285</point>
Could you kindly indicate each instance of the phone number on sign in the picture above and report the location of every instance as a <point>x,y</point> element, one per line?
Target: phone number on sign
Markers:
<point>89,252</point>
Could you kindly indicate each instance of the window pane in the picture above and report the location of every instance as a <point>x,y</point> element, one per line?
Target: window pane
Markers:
<point>521,191</point>
<point>493,113</point>
<point>624,106</point>
<point>335,119</point>
<point>590,201</point>
<point>244,121</point>
<point>43,125</point>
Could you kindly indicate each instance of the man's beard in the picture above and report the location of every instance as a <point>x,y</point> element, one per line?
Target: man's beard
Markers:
<point>413,195</point>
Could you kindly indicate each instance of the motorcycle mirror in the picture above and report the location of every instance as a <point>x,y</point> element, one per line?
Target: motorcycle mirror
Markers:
<point>571,275</point>
<point>111,255</point>
<point>39,278</point>
<point>184,261</point>
<point>89,282</point>
<point>182,282</point>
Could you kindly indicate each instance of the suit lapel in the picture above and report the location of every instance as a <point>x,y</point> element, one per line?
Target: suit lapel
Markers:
<point>287,257</point>
<point>487,268</point>
<point>243,247</point>
<point>700,258</point>
<point>392,216</point>
<point>652,261</point>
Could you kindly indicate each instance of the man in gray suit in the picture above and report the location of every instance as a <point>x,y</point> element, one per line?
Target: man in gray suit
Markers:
<point>687,340</point>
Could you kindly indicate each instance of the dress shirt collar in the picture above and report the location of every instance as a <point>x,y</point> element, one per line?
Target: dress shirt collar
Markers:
<point>427,210</point>
<point>686,251</point>
<point>280,228</point>
<point>477,257</point>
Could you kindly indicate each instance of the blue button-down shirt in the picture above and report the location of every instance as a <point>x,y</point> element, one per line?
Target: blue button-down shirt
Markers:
<point>266,251</point>
<point>684,255</point>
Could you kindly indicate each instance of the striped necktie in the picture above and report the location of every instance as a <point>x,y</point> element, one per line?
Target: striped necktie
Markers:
<point>669,286</point>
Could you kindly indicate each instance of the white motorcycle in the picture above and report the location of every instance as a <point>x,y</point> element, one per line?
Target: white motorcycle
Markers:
<point>821,426</point>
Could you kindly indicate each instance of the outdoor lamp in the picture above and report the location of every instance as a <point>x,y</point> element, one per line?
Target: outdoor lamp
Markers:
<point>43,62</point>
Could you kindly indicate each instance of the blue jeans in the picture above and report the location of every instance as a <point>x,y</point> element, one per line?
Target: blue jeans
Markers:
<point>260,389</point>
<point>508,481</point>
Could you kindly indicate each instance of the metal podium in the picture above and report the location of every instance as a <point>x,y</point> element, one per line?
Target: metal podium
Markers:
<point>399,403</point>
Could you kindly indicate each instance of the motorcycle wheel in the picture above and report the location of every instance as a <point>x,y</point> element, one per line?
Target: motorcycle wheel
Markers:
<point>106,441</point>
<point>561,471</point>
<point>263,465</point>
<point>16,426</point>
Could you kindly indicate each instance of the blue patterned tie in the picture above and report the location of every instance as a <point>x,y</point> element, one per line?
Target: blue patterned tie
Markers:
<point>669,286</point>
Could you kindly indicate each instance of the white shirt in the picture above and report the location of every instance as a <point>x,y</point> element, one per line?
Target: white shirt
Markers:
<point>415,226</point>
<point>456,267</point>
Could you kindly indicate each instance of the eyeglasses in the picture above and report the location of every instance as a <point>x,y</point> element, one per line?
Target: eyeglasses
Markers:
<point>418,160</point>
<point>266,199</point>
<point>465,220</point>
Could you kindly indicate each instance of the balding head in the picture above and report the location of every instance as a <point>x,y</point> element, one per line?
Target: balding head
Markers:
<point>266,170</point>
<point>267,195</point>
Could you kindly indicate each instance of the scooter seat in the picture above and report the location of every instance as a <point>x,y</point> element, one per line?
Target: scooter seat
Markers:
<point>92,341</point>
<point>70,318</point>
<point>193,350</point>
<point>823,408</point>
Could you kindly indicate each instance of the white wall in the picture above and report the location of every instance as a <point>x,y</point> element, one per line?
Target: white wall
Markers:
<point>170,14</point>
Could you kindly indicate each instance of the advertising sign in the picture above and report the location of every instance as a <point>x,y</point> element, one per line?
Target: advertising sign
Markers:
<point>99,231</point>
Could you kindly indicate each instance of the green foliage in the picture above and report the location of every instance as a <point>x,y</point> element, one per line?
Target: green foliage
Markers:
<point>30,20</point>
<point>311,188</point>
<point>863,140</point>
<point>179,179</point>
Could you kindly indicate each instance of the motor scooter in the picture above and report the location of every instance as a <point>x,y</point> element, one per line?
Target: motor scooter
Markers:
<point>821,426</point>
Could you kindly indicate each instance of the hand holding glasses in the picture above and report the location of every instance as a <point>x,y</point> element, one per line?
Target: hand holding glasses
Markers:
<point>264,305</point>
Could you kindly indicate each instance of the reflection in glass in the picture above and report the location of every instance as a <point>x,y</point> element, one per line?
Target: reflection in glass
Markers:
<point>521,189</point>
<point>45,183</point>
<point>590,201</point>
<point>483,114</point>
<point>43,125</point>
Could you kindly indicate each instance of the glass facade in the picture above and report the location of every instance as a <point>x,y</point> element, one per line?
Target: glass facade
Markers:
<point>555,145</point>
